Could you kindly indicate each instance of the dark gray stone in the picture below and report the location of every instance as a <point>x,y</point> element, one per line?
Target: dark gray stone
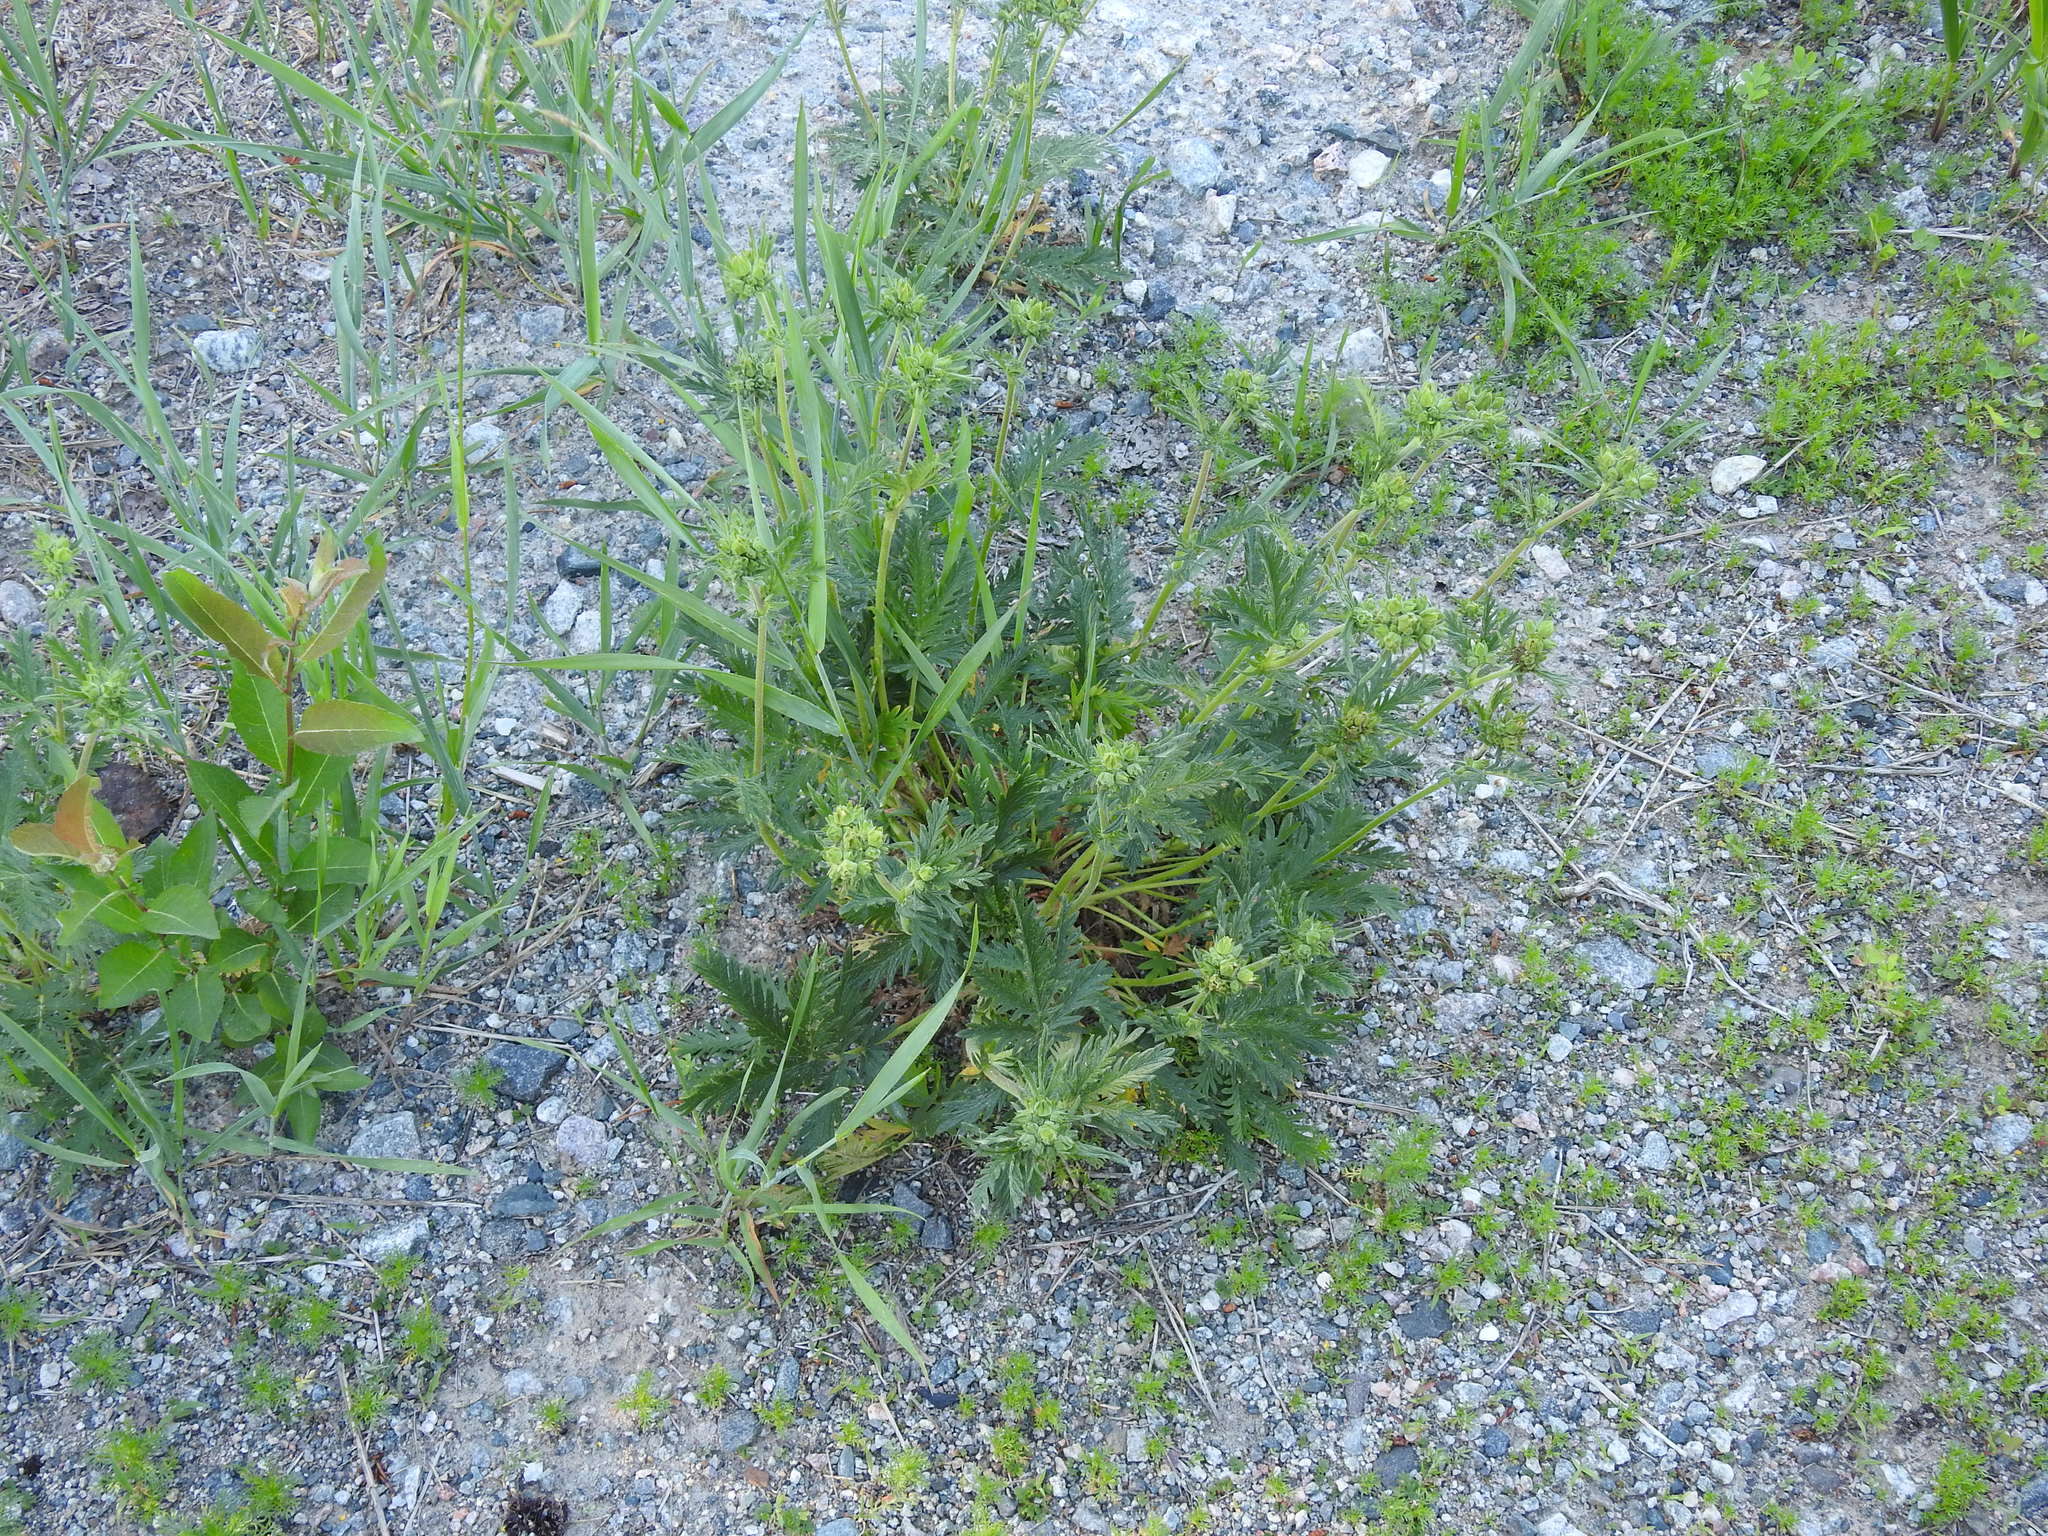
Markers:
<point>527,1070</point>
<point>1429,1320</point>
<point>737,1431</point>
<point>909,1200</point>
<point>1395,1463</point>
<point>2034,1496</point>
<point>935,1233</point>
<point>524,1200</point>
<point>1495,1444</point>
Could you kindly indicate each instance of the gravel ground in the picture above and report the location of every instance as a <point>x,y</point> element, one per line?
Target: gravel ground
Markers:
<point>1612,1238</point>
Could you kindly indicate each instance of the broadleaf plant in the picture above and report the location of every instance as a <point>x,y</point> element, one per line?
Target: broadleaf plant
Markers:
<point>209,946</point>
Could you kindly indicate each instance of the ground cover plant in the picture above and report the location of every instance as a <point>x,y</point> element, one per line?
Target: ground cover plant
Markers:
<point>1134,854</point>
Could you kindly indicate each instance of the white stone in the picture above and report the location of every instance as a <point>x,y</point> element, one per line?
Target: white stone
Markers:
<point>1362,351</point>
<point>562,605</point>
<point>1550,562</point>
<point>228,351</point>
<point>1733,473</point>
<point>1367,169</point>
<point>1737,1306</point>
<point>389,1242</point>
<point>581,1145</point>
<point>1219,212</point>
<point>482,440</point>
<point>1557,1047</point>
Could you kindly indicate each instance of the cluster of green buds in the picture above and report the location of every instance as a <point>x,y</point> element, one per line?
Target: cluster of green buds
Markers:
<point>1313,939</point>
<point>1399,623</point>
<point>852,845</point>
<point>1243,391</point>
<point>1623,471</point>
<point>927,373</point>
<point>908,886</point>
<point>738,554</point>
<point>1531,646</point>
<point>901,303</point>
<point>1030,321</point>
<point>748,275</point>
<point>1387,494</point>
<point>1115,763</point>
<point>752,374</point>
<point>1221,968</point>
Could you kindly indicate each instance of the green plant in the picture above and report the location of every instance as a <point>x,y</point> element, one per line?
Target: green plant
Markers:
<point>56,126</point>
<point>906,1472</point>
<point>644,1404</point>
<point>298,853</point>
<point>1960,1485</point>
<point>770,1170</point>
<point>715,1388</point>
<point>138,1467</point>
<point>101,1361</point>
<point>1765,159</point>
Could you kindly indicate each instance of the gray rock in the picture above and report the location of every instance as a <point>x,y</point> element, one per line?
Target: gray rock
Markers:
<point>524,1200</point>
<point>840,1527</point>
<point>1717,758</point>
<point>1362,351</point>
<point>1643,1322</point>
<point>1088,1517</point>
<point>48,350</point>
<point>1395,1463</point>
<point>788,1379</point>
<point>562,605</point>
<point>910,1201</point>
<point>13,1150</point>
<point>2008,1133</point>
<point>1733,1308</point>
<point>482,440</point>
<point>18,605</point>
<point>543,326</point>
<point>390,1242</point>
<point>2034,1496</point>
<point>1836,653</point>
<point>1494,1444</point>
<point>1614,962</point>
<point>737,1431</point>
<point>526,1070</point>
<point>228,351</point>
<point>1820,1243</point>
<point>503,1238</point>
<point>1195,164</point>
<point>936,1234</point>
<point>582,1145</point>
<point>1557,1047</point>
<point>521,1383</point>
<point>396,1135</point>
<point>1655,1152</point>
<point>1864,1235</point>
<point>1427,1320</point>
<point>1465,1010</point>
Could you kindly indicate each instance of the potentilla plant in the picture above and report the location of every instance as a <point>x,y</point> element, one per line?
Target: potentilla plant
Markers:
<point>1135,835</point>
